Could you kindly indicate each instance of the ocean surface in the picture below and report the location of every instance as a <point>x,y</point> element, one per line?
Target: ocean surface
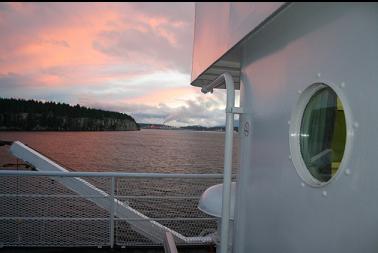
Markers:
<point>175,151</point>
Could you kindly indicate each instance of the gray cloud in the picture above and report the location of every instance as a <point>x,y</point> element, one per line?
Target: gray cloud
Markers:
<point>149,44</point>
<point>203,110</point>
<point>60,43</point>
<point>173,10</point>
<point>12,80</point>
<point>25,86</point>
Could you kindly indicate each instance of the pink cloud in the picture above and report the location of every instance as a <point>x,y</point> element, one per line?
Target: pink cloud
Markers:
<point>51,42</point>
<point>67,51</point>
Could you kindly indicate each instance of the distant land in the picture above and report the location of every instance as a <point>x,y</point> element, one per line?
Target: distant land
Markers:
<point>32,115</point>
<point>194,128</point>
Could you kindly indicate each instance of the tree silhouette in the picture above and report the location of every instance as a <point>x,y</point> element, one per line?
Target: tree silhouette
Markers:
<point>20,114</point>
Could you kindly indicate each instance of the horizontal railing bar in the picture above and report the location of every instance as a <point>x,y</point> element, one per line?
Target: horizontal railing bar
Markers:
<point>120,197</point>
<point>103,219</point>
<point>156,197</point>
<point>50,196</point>
<point>165,219</point>
<point>109,174</point>
<point>54,218</point>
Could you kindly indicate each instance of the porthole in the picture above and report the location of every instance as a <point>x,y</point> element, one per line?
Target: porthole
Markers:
<point>318,134</point>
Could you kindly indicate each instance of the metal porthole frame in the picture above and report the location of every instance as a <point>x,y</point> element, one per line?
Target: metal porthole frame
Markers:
<point>295,128</point>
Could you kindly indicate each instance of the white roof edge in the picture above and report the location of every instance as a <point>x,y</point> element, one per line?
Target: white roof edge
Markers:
<point>230,61</point>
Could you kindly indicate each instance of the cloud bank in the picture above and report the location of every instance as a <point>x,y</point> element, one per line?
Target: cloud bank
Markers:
<point>128,57</point>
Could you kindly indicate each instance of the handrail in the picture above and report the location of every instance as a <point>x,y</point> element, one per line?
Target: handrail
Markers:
<point>117,209</point>
<point>108,174</point>
<point>220,80</point>
<point>73,181</point>
<point>226,79</point>
<point>109,200</point>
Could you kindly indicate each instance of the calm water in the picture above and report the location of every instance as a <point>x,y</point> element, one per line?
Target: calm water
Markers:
<point>142,151</point>
<point>139,151</point>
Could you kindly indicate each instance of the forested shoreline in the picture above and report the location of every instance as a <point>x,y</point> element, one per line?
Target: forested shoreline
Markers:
<point>32,115</point>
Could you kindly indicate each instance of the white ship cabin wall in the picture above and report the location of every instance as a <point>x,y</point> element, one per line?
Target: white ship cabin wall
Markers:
<point>308,78</point>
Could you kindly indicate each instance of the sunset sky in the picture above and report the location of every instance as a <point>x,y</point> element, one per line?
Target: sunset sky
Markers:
<point>127,57</point>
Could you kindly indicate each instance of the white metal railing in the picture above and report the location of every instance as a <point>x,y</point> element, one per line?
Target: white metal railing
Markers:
<point>21,173</point>
<point>37,209</point>
<point>227,80</point>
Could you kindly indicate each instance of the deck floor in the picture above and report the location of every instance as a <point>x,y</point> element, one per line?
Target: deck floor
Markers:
<point>187,249</point>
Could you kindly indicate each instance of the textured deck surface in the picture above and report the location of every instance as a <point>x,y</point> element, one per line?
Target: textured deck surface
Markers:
<point>191,249</point>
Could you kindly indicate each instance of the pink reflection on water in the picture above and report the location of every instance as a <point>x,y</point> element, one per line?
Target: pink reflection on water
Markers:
<point>142,151</point>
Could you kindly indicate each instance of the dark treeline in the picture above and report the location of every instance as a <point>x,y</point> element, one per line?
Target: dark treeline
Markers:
<point>11,105</point>
<point>20,114</point>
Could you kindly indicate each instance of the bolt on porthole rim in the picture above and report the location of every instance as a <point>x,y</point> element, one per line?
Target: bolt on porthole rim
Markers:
<point>295,130</point>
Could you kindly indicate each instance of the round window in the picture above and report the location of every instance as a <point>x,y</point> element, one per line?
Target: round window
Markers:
<point>320,134</point>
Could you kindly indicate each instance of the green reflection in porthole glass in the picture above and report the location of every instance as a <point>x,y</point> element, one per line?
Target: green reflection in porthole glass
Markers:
<point>323,134</point>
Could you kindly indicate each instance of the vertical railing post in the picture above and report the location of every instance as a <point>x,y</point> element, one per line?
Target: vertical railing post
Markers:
<point>227,178</point>
<point>226,79</point>
<point>111,220</point>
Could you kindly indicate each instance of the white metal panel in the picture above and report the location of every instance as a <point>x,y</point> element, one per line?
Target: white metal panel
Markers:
<point>210,35</point>
<point>220,26</point>
<point>334,43</point>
